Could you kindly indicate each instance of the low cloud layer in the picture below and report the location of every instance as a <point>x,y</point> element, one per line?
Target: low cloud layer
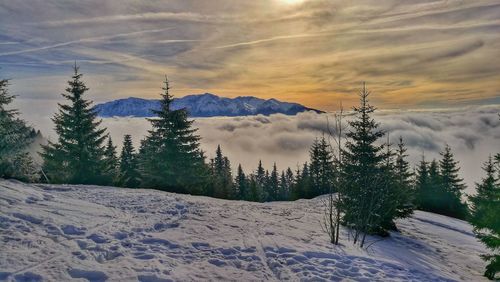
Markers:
<point>473,133</point>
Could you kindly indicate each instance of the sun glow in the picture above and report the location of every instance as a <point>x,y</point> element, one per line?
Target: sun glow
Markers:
<point>291,2</point>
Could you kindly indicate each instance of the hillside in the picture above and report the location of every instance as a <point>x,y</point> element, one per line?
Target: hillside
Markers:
<point>203,105</point>
<point>56,233</point>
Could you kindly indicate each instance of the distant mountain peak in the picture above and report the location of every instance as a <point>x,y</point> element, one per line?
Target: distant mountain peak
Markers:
<point>202,105</point>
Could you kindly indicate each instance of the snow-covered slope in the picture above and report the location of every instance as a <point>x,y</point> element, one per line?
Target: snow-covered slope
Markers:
<point>59,233</point>
<point>203,105</point>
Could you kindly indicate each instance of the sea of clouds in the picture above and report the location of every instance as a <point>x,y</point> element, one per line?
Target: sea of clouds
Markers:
<point>473,134</point>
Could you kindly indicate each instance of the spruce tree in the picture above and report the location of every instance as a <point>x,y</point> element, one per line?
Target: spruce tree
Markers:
<point>242,184</point>
<point>222,177</point>
<point>404,192</point>
<point>297,187</point>
<point>15,137</point>
<point>422,184</point>
<point>452,184</point>
<point>111,160</point>
<point>78,155</point>
<point>485,216</point>
<point>273,185</point>
<point>321,168</point>
<point>170,156</point>
<point>362,160</point>
<point>285,185</point>
<point>129,168</point>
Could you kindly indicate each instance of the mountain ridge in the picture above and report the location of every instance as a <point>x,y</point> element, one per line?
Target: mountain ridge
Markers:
<point>202,105</point>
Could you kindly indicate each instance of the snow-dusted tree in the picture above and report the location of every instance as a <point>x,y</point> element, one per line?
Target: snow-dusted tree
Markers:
<point>15,136</point>
<point>170,155</point>
<point>111,160</point>
<point>321,168</point>
<point>485,216</point>
<point>129,175</point>
<point>78,155</point>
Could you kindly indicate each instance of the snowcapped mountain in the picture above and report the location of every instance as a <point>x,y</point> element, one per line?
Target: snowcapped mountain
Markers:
<point>203,105</point>
<point>91,233</point>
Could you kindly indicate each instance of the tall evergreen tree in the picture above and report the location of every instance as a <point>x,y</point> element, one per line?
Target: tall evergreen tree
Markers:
<point>422,183</point>
<point>78,155</point>
<point>15,136</point>
<point>170,156</point>
<point>485,216</point>
<point>452,184</point>
<point>404,192</point>
<point>321,168</point>
<point>285,185</point>
<point>242,184</point>
<point>365,200</point>
<point>129,168</point>
<point>273,185</point>
<point>111,160</point>
<point>222,177</point>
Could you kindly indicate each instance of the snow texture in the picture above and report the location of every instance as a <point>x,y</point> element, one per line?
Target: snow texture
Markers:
<point>90,233</point>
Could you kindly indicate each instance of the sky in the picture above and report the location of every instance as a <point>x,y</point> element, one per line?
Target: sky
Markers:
<point>412,54</point>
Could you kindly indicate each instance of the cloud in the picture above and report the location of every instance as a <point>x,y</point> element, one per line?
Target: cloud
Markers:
<point>316,52</point>
<point>473,133</point>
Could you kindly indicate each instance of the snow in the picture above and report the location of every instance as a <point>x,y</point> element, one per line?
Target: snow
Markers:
<point>90,233</point>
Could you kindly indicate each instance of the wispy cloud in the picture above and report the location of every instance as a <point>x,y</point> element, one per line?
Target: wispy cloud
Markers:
<point>315,52</point>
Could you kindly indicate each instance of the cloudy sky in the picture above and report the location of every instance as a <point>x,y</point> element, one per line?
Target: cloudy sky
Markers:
<point>413,54</point>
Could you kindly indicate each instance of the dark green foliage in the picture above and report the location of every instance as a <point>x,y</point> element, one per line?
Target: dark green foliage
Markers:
<point>15,137</point>
<point>404,191</point>
<point>302,185</point>
<point>395,190</point>
<point>485,215</point>
<point>78,155</point>
<point>111,162</point>
<point>371,196</point>
<point>452,185</point>
<point>364,179</point>
<point>222,179</point>
<point>242,185</point>
<point>170,156</point>
<point>272,187</point>
<point>321,168</point>
<point>129,175</point>
<point>285,185</point>
<point>438,187</point>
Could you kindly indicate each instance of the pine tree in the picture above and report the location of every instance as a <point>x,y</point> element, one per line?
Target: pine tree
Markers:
<point>242,184</point>
<point>15,136</point>
<point>404,191</point>
<point>129,169</point>
<point>77,156</point>
<point>285,185</point>
<point>273,185</point>
<point>321,168</point>
<point>297,189</point>
<point>170,156</point>
<point>111,160</point>
<point>422,184</point>
<point>363,202</point>
<point>452,184</point>
<point>221,176</point>
<point>485,211</point>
